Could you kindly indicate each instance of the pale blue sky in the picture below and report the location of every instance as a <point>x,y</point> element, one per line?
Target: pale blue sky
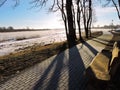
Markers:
<point>22,16</point>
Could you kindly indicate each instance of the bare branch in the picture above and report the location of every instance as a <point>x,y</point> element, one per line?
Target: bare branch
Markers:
<point>16,3</point>
<point>118,12</point>
<point>53,5</point>
<point>108,2</point>
<point>38,3</point>
<point>2,2</point>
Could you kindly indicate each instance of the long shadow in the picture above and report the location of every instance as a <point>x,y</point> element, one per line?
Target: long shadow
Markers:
<point>53,83</point>
<point>76,70</point>
<point>106,44</point>
<point>111,42</point>
<point>93,50</point>
<point>101,39</point>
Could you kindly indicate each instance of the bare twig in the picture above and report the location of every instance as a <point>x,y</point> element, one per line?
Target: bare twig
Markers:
<point>2,2</point>
<point>118,11</point>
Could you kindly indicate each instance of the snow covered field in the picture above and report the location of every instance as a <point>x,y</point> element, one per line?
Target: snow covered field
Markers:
<point>16,41</point>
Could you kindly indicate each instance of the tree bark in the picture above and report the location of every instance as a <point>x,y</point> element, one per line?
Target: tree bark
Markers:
<point>89,17</point>
<point>78,20</point>
<point>70,22</point>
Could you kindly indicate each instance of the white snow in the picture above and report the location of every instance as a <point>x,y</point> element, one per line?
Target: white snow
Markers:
<point>9,42</point>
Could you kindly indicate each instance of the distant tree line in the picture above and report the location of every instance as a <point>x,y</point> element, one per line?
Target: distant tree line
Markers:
<point>111,26</point>
<point>8,28</point>
<point>11,29</point>
<point>107,27</point>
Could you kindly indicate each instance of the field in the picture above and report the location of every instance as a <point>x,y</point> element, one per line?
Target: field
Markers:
<point>16,41</point>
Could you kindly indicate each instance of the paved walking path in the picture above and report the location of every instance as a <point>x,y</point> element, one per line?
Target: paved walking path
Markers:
<point>60,72</point>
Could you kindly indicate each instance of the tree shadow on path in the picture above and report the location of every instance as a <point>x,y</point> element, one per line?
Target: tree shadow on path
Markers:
<point>73,64</point>
<point>52,84</point>
<point>76,69</point>
<point>93,50</point>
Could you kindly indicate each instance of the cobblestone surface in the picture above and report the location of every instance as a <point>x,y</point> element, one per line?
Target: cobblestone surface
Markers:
<point>60,72</point>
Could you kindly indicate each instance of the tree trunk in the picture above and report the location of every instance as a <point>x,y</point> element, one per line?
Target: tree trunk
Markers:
<point>85,18</point>
<point>86,32</point>
<point>78,21</point>
<point>71,29</point>
<point>64,19</point>
<point>89,17</point>
<point>119,8</point>
<point>90,27</point>
<point>90,24</point>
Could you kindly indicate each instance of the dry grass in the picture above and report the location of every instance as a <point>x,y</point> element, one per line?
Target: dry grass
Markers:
<point>11,64</point>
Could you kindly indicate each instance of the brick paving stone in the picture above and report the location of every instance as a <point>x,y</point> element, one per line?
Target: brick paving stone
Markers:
<point>59,72</point>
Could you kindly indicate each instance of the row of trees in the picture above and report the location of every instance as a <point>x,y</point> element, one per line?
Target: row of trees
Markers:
<point>111,26</point>
<point>8,28</point>
<point>74,12</point>
<point>107,27</point>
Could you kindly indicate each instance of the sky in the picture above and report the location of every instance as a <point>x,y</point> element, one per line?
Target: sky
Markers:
<point>23,17</point>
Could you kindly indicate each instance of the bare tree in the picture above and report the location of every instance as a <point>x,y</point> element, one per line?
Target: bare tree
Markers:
<point>66,8</point>
<point>89,21</point>
<point>87,15</point>
<point>68,15</point>
<point>69,12</point>
<point>61,7</point>
<point>79,10</point>
<point>10,28</point>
